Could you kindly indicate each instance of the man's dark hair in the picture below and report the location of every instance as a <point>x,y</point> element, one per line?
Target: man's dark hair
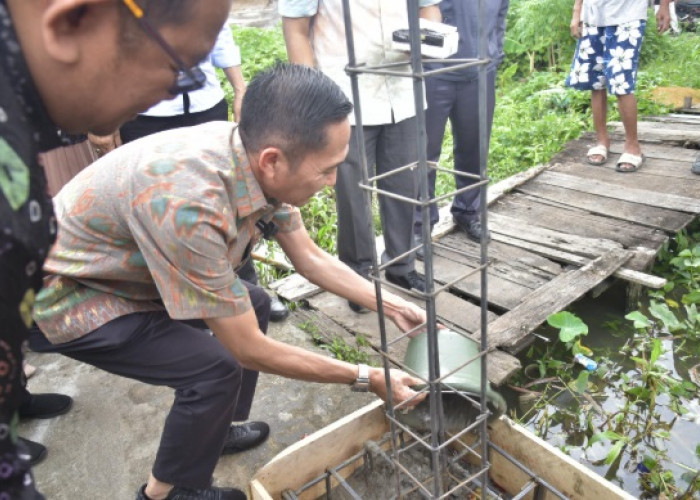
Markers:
<point>289,106</point>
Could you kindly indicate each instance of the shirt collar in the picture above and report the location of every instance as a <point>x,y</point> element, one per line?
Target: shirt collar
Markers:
<point>12,63</point>
<point>249,195</point>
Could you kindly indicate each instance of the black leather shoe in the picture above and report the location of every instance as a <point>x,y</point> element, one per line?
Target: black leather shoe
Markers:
<point>471,228</point>
<point>211,493</point>
<point>45,406</point>
<point>245,436</point>
<point>410,281</point>
<point>31,451</point>
<point>278,310</point>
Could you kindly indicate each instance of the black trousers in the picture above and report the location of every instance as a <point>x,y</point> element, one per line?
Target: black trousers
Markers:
<point>211,388</point>
<point>142,126</point>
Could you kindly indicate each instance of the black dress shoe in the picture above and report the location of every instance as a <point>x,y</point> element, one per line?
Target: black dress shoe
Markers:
<point>410,281</point>
<point>211,493</point>
<point>245,436</point>
<point>278,310</point>
<point>45,406</point>
<point>471,228</point>
<point>31,451</point>
<point>357,308</point>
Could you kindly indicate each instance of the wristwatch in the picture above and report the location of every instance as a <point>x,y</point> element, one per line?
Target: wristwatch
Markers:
<point>361,384</point>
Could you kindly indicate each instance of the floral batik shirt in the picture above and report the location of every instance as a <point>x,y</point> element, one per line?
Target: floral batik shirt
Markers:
<point>160,223</point>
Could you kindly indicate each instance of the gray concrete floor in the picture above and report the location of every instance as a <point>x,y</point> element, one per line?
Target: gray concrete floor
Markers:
<point>104,447</point>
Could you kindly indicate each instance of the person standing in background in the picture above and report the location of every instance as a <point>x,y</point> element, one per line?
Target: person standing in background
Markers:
<point>610,35</point>
<point>675,27</point>
<point>314,34</point>
<point>455,95</point>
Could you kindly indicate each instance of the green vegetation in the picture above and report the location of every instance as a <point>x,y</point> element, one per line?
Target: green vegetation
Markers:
<point>338,347</point>
<point>643,392</point>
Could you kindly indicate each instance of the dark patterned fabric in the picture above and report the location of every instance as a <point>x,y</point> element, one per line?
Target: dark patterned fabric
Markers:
<point>27,229</point>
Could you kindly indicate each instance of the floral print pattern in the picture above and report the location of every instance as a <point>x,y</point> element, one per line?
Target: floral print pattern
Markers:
<point>607,56</point>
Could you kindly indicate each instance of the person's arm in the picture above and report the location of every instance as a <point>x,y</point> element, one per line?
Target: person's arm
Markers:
<point>297,38</point>
<point>235,78</point>
<point>255,351</point>
<point>663,16</point>
<point>575,26</point>
<point>330,274</point>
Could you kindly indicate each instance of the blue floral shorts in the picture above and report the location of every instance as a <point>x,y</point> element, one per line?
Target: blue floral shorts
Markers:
<point>607,55</point>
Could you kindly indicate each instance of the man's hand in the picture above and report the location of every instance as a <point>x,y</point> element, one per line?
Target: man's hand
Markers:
<point>407,317</point>
<point>576,25</point>
<point>663,17</point>
<point>401,383</point>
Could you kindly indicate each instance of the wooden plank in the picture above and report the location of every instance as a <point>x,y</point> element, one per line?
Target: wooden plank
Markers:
<point>576,150</point>
<point>551,215</point>
<point>658,178</point>
<point>502,293</point>
<point>517,257</point>
<point>610,190</point>
<point>653,132</point>
<point>667,220</point>
<point>511,331</point>
<point>578,245</point>
<point>329,446</point>
<point>336,443</point>
<point>629,274</point>
<point>294,288</point>
<point>676,118</point>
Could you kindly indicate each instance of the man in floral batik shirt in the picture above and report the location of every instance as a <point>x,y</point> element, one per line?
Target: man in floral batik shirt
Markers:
<point>150,240</point>
<point>610,34</point>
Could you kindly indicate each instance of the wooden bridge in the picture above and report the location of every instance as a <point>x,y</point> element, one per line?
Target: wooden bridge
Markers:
<point>558,231</point>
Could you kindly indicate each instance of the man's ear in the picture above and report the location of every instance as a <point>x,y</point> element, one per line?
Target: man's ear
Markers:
<point>65,25</point>
<point>270,162</point>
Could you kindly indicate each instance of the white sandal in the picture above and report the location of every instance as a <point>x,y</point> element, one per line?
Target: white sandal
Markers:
<point>629,159</point>
<point>598,150</point>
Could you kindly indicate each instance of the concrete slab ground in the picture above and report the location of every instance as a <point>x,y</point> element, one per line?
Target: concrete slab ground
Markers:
<point>104,447</point>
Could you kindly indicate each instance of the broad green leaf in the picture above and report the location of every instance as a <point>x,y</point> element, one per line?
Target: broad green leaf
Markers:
<point>640,321</point>
<point>661,312</point>
<point>570,326</point>
<point>611,436</point>
<point>692,297</point>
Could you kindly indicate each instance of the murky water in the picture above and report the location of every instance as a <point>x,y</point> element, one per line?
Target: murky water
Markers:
<point>643,430</point>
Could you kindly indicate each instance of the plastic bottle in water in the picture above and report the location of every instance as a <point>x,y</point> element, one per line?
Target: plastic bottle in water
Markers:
<point>586,362</point>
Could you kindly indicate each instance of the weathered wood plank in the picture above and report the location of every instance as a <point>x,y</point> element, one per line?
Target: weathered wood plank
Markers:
<point>610,190</point>
<point>576,150</point>
<point>657,132</point>
<point>517,257</point>
<point>578,245</point>
<point>670,221</point>
<point>658,178</point>
<point>511,330</point>
<point>551,215</point>
<point>503,293</point>
<point>632,275</point>
<point>675,118</point>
